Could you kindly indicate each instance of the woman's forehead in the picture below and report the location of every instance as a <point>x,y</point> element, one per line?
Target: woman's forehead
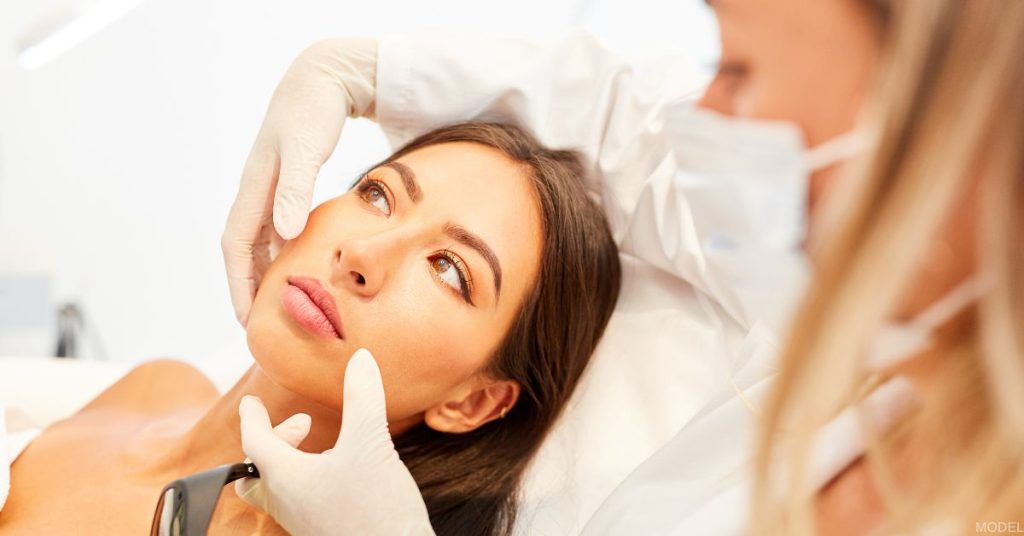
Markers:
<point>471,176</point>
<point>481,189</point>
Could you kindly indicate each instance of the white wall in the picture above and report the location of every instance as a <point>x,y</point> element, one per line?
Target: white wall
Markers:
<point>119,160</point>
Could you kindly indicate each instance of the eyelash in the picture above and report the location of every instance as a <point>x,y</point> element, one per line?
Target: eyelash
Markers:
<point>732,70</point>
<point>460,268</point>
<point>366,184</point>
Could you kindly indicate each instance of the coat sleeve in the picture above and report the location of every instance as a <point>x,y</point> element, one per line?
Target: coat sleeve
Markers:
<point>572,93</point>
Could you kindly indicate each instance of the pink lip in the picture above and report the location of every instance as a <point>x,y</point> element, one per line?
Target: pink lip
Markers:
<point>312,307</point>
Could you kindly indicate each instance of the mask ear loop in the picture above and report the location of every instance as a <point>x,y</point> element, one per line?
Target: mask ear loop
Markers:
<point>898,342</point>
<point>940,312</point>
<point>837,149</point>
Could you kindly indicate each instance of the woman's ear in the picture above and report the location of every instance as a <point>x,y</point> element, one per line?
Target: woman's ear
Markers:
<point>473,405</point>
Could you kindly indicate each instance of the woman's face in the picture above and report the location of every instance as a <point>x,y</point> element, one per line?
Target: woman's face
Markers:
<point>813,62</point>
<point>427,261</point>
<point>806,62</point>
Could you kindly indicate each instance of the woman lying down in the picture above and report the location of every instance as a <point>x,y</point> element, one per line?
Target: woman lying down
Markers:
<point>471,263</point>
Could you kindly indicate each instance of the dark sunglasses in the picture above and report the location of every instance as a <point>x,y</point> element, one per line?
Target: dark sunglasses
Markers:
<point>186,505</point>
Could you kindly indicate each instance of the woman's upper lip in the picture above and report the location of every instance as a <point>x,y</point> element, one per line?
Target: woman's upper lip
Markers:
<point>323,299</point>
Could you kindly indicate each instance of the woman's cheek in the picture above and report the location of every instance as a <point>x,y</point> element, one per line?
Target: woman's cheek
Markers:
<point>422,364</point>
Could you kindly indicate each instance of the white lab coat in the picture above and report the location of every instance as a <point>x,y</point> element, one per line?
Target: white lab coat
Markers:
<point>576,94</point>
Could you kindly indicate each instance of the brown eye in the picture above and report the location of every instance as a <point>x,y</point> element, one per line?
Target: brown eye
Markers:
<point>731,75</point>
<point>373,194</point>
<point>441,264</point>
<point>450,272</point>
<point>732,69</point>
<point>447,272</point>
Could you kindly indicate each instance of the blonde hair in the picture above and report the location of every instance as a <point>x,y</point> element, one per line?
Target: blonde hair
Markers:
<point>949,110</point>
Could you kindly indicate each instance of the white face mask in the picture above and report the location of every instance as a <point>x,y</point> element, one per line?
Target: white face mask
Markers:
<point>758,169</point>
<point>898,341</point>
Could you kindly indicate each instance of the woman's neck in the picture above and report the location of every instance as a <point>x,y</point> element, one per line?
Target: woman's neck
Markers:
<point>215,439</point>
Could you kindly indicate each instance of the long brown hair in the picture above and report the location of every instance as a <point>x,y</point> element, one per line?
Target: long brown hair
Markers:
<point>950,112</point>
<point>470,482</point>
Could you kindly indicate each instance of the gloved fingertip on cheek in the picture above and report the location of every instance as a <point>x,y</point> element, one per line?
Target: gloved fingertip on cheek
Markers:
<point>289,221</point>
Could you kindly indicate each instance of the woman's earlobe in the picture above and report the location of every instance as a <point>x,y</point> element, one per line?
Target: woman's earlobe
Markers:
<point>473,409</point>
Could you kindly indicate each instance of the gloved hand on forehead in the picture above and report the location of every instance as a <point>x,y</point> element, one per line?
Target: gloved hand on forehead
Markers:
<point>327,83</point>
<point>358,487</point>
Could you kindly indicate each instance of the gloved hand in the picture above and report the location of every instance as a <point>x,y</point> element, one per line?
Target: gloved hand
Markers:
<point>327,83</point>
<point>358,487</point>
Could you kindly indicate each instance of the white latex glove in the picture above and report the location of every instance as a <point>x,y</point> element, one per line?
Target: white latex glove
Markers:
<point>327,83</point>
<point>358,487</point>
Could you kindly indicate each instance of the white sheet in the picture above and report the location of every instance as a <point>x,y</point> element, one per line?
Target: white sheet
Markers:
<point>17,429</point>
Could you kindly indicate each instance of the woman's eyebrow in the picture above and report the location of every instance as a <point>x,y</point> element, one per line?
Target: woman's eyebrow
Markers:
<point>412,189</point>
<point>462,235</point>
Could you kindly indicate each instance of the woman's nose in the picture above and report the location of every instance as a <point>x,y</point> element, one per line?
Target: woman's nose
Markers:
<point>359,268</point>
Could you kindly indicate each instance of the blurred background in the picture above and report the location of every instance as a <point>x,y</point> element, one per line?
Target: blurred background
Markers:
<point>124,125</point>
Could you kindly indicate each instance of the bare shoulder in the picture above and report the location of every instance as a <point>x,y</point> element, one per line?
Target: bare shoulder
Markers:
<point>156,386</point>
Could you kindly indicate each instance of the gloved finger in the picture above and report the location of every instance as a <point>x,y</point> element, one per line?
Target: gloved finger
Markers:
<point>242,289</point>
<point>266,247</point>
<point>252,491</point>
<point>364,414</point>
<point>844,438</point>
<point>239,264</point>
<point>300,164</point>
<point>275,244</point>
<point>292,431</point>
<point>259,442</point>
<point>247,215</point>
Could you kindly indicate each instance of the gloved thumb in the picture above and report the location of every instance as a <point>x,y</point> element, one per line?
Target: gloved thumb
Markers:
<point>364,418</point>
<point>293,198</point>
<point>292,431</point>
<point>259,442</point>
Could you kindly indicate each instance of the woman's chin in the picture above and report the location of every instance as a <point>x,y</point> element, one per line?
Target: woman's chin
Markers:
<point>303,365</point>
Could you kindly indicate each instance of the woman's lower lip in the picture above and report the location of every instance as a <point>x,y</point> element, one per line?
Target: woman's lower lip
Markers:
<point>306,313</point>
